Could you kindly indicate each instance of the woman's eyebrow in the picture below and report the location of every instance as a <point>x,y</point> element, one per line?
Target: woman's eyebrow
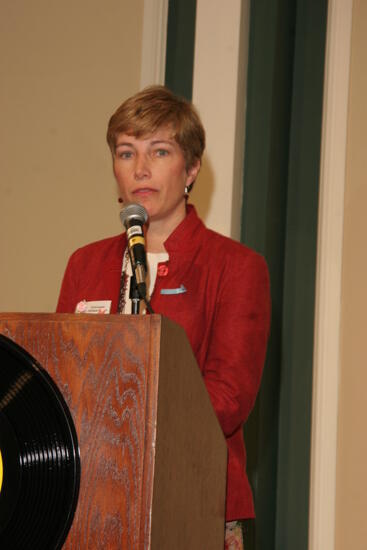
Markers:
<point>124,143</point>
<point>163,141</point>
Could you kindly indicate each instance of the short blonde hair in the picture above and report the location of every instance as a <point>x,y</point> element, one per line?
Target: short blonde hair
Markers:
<point>156,107</point>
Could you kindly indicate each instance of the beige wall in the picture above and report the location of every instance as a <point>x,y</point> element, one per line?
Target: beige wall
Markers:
<point>351,486</point>
<point>219,88</point>
<point>64,67</point>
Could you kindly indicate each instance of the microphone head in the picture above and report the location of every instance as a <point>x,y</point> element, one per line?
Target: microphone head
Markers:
<point>133,211</point>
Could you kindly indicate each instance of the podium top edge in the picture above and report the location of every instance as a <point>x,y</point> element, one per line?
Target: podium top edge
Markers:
<point>76,318</point>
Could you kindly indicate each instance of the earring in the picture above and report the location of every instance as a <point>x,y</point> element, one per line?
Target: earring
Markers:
<point>187,190</point>
<point>120,200</point>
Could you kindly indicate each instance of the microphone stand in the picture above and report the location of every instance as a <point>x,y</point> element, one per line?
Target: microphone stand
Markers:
<point>134,296</point>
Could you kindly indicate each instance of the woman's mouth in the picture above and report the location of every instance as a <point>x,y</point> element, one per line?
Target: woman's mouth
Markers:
<point>144,191</point>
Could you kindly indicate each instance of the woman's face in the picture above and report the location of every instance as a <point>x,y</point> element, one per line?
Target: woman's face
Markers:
<point>151,171</point>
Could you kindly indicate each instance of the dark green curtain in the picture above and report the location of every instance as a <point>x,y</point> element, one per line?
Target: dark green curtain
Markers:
<point>281,181</point>
<point>180,46</point>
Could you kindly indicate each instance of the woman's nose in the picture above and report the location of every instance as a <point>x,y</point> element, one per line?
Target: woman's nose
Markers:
<point>142,167</point>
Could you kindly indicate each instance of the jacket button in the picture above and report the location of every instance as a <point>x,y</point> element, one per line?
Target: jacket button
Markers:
<point>162,270</point>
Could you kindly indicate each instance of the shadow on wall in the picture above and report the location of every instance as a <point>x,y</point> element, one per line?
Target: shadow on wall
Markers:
<point>203,190</point>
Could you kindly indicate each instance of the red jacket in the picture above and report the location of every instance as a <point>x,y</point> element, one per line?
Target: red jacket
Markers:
<point>225,312</point>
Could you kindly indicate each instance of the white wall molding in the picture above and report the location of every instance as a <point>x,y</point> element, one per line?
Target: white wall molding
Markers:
<point>153,60</point>
<point>328,277</point>
<point>219,92</point>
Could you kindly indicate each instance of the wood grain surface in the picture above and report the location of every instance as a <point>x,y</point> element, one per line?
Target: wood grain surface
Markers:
<point>101,367</point>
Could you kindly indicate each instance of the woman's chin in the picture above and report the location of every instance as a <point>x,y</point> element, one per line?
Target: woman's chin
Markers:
<point>148,204</point>
<point>145,199</point>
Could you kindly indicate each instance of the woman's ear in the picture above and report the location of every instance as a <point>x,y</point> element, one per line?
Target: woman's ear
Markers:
<point>193,171</point>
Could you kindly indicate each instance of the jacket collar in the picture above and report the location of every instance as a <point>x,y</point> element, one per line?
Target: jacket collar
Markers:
<point>186,236</point>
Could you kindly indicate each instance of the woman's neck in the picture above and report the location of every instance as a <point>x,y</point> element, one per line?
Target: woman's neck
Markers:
<point>158,232</point>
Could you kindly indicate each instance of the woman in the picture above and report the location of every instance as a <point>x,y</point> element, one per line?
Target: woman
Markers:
<point>214,287</point>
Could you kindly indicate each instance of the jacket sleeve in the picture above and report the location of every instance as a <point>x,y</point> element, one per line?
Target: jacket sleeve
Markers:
<point>236,354</point>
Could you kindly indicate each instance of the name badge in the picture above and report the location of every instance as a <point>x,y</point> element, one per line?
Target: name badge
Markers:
<point>100,307</point>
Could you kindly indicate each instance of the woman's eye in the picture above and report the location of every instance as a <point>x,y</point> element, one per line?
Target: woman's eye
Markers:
<point>161,152</point>
<point>124,154</point>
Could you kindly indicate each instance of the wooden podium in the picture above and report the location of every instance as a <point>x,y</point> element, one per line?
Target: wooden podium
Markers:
<point>153,457</point>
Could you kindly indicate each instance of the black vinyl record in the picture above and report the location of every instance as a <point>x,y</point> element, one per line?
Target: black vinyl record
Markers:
<point>39,455</point>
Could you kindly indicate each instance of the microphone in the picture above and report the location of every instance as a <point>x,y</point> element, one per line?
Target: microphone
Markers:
<point>133,217</point>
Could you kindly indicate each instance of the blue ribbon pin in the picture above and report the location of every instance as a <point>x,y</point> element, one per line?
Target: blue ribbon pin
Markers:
<point>179,290</point>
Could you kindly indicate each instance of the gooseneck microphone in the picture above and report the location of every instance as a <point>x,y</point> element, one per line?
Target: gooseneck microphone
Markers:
<point>133,217</point>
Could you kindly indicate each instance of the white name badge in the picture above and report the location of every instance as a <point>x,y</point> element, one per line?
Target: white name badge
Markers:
<point>97,307</point>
